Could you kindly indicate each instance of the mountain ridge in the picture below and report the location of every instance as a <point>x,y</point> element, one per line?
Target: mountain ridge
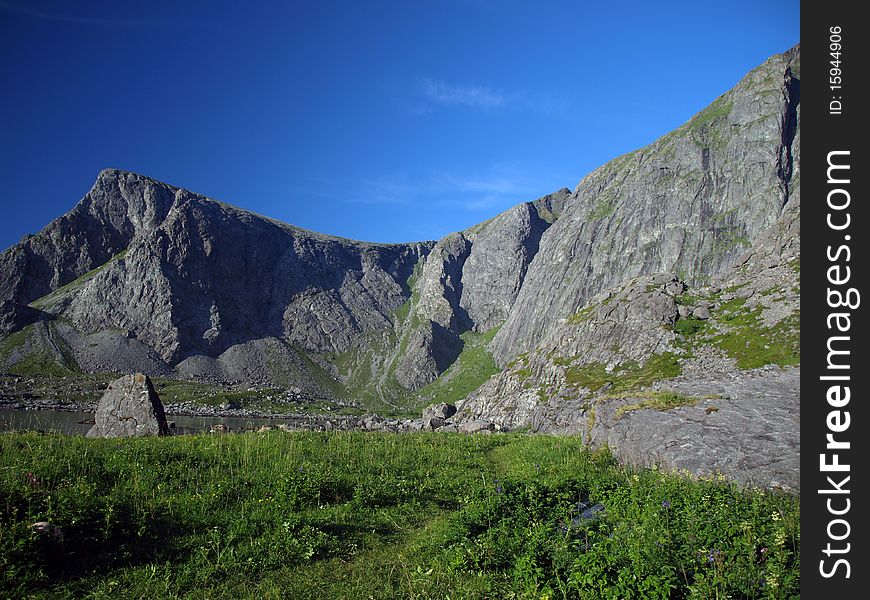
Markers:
<point>140,268</point>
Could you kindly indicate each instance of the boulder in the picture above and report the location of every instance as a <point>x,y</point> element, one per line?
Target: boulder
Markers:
<point>701,312</point>
<point>450,428</point>
<point>130,407</point>
<point>372,423</point>
<point>478,426</point>
<point>440,411</point>
<point>433,423</point>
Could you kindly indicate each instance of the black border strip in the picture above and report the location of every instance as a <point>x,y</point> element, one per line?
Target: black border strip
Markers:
<point>832,120</point>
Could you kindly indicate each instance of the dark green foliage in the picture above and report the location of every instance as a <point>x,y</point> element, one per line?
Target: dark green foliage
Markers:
<point>740,332</point>
<point>351,515</point>
<point>658,400</point>
<point>626,377</point>
<point>689,325</point>
<point>470,370</point>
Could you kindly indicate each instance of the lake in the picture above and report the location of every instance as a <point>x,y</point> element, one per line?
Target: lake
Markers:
<point>70,422</point>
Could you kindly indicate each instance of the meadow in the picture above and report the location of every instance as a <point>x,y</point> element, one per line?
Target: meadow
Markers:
<point>350,515</point>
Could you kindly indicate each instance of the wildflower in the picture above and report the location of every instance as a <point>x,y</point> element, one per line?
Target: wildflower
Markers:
<point>32,479</point>
<point>773,581</point>
<point>666,504</point>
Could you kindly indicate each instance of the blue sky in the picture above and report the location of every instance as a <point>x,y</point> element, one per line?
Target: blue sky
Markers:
<point>381,121</point>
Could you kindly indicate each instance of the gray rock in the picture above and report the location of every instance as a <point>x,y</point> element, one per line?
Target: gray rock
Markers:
<point>476,426</point>
<point>129,408</point>
<point>676,206</point>
<point>433,423</point>
<point>15,316</point>
<point>701,312</point>
<point>429,350</point>
<point>441,410</point>
<point>501,252</point>
<point>588,512</point>
<point>372,423</point>
<point>144,275</point>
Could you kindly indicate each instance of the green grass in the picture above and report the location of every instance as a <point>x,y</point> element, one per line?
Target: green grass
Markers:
<point>359,370</point>
<point>47,302</point>
<point>582,315</point>
<point>626,377</point>
<point>174,390</point>
<point>656,400</point>
<point>740,332</point>
<point>38,360</point>
<point>40,363</point>
<point>754,345</point>
<point>605,205</point>
<point>470,370</point>
<point>353,515</point>
<point>717,110</point>
<point>689,325</point>
<point>13,342</point>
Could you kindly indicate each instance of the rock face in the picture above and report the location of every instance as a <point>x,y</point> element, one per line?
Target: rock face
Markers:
<point>690,203</point>
<point>129,408</point>
<point>644,272</point>
<point>15,316</point>
<point>118,207</point>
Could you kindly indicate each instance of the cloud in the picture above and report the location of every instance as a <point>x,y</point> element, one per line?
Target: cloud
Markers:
<point>496,187</point>
<point>433,93</point>
<point>388,189</point>
<point>472,96</point>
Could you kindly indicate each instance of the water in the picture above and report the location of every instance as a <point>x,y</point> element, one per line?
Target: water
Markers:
<point>78,423</point>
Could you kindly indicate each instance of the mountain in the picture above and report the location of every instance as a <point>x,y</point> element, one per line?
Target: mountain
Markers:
<point>627,278</point>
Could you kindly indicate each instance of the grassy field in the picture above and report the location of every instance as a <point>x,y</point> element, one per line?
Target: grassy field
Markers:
<point>355,515</point>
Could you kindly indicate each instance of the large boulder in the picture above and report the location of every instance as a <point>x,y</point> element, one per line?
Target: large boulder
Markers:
<point>440,411</point>
<point>436,416</point>
<point>478,426</point>
<point>129,408</point>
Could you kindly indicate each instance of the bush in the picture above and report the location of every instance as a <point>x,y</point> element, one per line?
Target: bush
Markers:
<point>347,515</point>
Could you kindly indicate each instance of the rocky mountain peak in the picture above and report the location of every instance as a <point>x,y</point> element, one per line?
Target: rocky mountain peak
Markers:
<point>144,276</point>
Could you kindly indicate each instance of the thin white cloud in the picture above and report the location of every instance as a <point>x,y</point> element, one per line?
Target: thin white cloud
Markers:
<point>472,96</point>
<point>434,93</point>
<point>390,189</point>
<point>495,188</point>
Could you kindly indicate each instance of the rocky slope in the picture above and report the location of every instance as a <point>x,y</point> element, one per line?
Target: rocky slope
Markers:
<point>621,282</point>
<point>688,204</point>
